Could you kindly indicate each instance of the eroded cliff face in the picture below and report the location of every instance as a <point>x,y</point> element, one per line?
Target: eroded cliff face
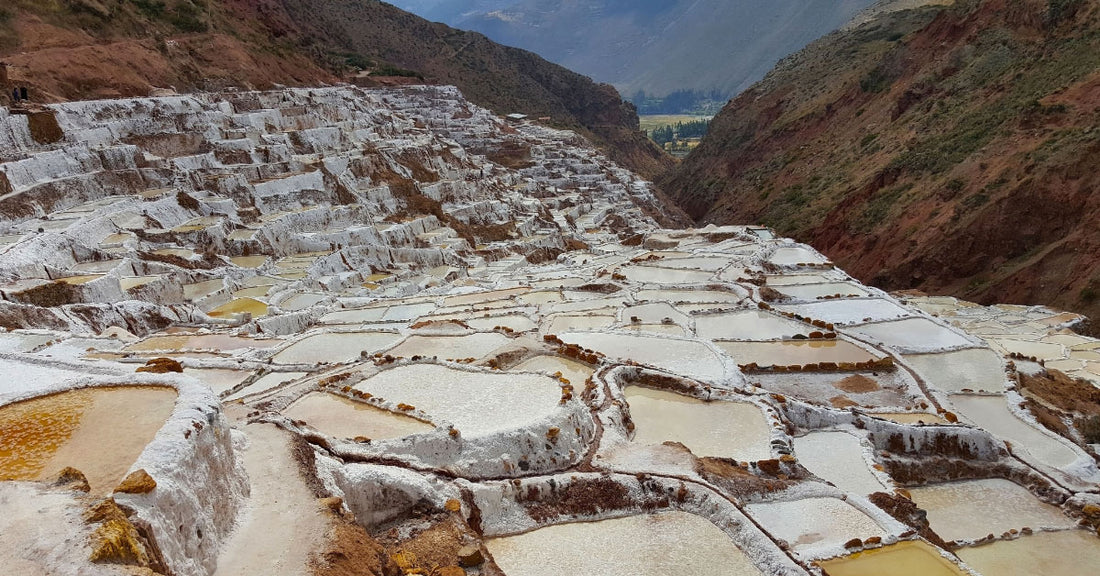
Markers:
<point>111,49</point>
<point>945,149</point>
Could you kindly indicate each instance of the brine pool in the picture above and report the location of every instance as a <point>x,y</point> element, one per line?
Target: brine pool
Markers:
<point>648,545</point>
<point>726,429</point>
<point>99,431</point>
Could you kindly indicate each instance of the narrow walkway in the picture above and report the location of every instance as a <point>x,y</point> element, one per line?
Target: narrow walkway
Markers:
<point>282,525</point>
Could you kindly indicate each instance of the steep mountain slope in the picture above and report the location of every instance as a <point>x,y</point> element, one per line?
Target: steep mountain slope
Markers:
<point>656,46</point>
<point>106,48</point>
<point>950,150</point>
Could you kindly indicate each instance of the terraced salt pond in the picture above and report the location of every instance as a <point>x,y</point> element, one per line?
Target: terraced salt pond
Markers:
<point>238,306</point>
<point>450,347</point>
<point>916,334</point>
<point>345,418</point>
<point>977,369</point>
<point>1064,553</point>
<point>790,255</point>
<point>726,429</point>
<point>648,545</point>
<point>687,357</point>
<point>571,370</point>
<point>838,458</point>
<point>790,352</point>
<point>477,403</point>
<point>992,414</point>
<point>220,342</point>
<point>654,275</point>
<point>748,325</point>
<point>99,431</point>
<point>909,558</point>
<point>335,347</point>
<point>969,510</point>
<point>814,524</point>
<point>814,291</point>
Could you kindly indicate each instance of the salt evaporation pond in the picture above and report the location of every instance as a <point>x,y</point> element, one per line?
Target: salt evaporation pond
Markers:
<point>1064,553</point>
<point>516,322</point>
<point>838,458</point>
<point>977,369</point>
<point>848,311</point>
<point>648,545</point>
<point>814,524</point>
<point>789,255</point>
<point>725,429</point>
<point>814,291</point>
<point>219,379</point>
<point>909,558</point>
<point>219,342</point>
<point>566,323</point>
<point>693,296</point>
<point>654,275</point>
<point>266,382</point>
<point>972,509</point>
<point>239,306</point>
<point>992,414</point>
<point>910,417</point>
<point>450,347</point>
<point>345,418</point>
<point>748,325</point>
<point>477,403</point>
<point>687,357</point>
<point>571,370</point>
<point>99,431</point>
<point>913,334</point>
<point>1029,349</point>
<point>791,352</point>
<point>335,347</point>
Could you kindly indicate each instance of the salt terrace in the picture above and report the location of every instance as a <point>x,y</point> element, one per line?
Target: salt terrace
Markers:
<point>383,330</point>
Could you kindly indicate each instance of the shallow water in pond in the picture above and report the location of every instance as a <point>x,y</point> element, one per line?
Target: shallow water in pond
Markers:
<point>1040,350</point>
<point>978,369</point>
<point>689,296</point>
<point>248,261</point>
<point>220,342</point>
<point>99,431</point>
<point>814,524</point>
<point>450,347</point>
<point>913,333</point>
<point>654,275</point>
<point>568,323</point>
<point>838,458</point>
<point>848,311</point>
<point>814,291</point>
<point>972,509</point>
<point>571,370</point>
<point>477,403</point>
<point>748,325</point>
<point>335,347</point>
<point>345,418</point>
<point>219,379</point>
<point>266,382</point>
<point>910,417</point>
<point>727,429</point>
<point>516,322</point>
<point>1065,553</point>
<point>992,414</point>
<point>909,558</point>
<point>239,305</point>
<point>685,357</point>
<point>791,352</point>
<point>788,255</point>
<point>648,545</point>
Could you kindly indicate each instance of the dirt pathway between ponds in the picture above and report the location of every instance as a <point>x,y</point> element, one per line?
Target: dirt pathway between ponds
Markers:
<point>282,525</point>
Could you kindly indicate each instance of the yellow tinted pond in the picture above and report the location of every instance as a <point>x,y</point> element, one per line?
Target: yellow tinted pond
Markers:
<point>910,558</point>
<point>792,352</point>
<point>238,305</point>
<point>726,429</point>
<point>344,418</point>
<point>99,431</point>
<point>1065,553</point>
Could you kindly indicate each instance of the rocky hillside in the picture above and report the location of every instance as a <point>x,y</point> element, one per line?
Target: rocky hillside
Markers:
<point>109,48</point>
<point>946,149</point>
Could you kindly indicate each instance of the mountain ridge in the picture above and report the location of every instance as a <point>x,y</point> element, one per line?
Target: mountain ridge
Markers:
<point>942,149</point>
